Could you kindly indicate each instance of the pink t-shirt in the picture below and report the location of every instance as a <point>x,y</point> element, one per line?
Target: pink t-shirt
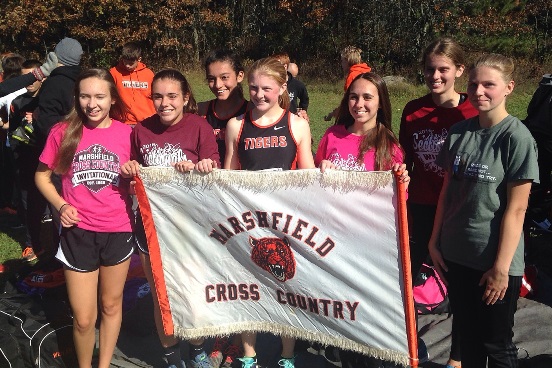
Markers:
<point>341,148</point>
<point>93,184</point>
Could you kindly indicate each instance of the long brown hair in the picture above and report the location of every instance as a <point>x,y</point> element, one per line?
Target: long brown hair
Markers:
<point>177,76</point>
<point>447,47</point>
<point>382,137</point>
<point>77,118</point>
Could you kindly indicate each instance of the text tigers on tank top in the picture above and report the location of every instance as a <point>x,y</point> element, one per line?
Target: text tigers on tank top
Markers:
<point>271,147</point>
<point>219,125</point>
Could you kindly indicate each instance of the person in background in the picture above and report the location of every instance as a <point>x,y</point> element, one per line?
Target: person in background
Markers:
<point>20,131</point>
<point>293,69</point>
<point>133,80</point>
<point>298,95</point>
<point>352,65</point>
<point>16,83</point>
<point>11,66</point>
<point>477,246</point>
<point>538,121</point>
<point>55,101</point>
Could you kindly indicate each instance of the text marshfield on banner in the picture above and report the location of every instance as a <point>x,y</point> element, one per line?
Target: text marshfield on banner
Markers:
<point>299,253</point>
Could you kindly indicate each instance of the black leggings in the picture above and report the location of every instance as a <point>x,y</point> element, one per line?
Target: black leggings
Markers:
<point>485,331</point>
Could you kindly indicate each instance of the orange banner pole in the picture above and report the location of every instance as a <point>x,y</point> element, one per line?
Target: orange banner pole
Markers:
<point>155,256</point>
<point>404,251</point>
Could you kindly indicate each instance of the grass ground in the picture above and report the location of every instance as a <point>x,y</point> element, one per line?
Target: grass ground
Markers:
<point>324,98</point>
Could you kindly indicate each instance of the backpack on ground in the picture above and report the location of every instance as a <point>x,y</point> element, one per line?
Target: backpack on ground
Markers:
<point>35,333</point>
<point>430,293</point>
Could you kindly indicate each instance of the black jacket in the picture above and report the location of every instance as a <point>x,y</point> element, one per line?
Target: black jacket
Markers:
<point>539,111</point>
<point>297,91</point>
<point>55,101</point>
<point>13,84</point>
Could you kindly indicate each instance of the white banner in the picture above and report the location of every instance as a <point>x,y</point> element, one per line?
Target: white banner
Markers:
<point>299,253</point>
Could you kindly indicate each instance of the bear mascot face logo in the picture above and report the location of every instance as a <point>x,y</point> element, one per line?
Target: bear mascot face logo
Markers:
<point>275,256</point>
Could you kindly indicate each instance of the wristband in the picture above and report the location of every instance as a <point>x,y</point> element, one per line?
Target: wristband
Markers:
<point>63,205</point>
<point>38,74</point>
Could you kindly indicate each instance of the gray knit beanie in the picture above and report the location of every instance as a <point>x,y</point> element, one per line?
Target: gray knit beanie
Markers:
<point>69,51</point>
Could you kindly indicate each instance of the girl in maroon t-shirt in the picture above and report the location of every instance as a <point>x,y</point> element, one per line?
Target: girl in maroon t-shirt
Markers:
<point>176,137</point>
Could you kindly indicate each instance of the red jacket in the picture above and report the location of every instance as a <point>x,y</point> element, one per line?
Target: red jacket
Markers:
<point>135,91</point>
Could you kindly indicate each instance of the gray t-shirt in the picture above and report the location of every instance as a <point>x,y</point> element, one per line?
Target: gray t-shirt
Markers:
<point>479,163</point>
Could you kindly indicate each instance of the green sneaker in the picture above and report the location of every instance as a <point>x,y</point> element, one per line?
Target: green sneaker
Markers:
<point>248,362</point>
<point>287,362</point>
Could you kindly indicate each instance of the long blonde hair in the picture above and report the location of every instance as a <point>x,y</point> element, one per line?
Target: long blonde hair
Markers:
<point>274,69</point>
<point>504,65</point>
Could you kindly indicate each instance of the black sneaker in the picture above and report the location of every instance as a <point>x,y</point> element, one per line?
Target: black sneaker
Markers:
<point>423,355</point>
<point>46,218</point>
<point>20,135</point>
<point>331,354</point>
<point>315,348</point>
<point>29,128</point>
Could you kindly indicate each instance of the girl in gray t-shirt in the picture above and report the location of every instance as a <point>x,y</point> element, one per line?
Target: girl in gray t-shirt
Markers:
<point>490,162</point>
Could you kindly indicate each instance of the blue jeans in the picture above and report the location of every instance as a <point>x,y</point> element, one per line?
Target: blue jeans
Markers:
<point>485,331</point>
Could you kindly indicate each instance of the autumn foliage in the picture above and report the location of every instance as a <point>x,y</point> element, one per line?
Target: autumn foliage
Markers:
<point>180,32</point>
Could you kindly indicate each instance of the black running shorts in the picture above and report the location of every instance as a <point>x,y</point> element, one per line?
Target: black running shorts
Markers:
<point>85,251</point>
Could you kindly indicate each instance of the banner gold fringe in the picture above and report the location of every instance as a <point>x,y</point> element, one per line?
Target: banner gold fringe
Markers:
<point>289,331</point>
<point>262,181</point>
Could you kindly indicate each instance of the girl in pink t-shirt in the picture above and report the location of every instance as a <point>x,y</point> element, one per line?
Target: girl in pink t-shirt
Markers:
<point>361,138</point>
<point>96,240</point>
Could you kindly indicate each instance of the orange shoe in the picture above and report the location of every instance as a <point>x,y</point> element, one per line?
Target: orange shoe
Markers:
<point>231,353</point>
<point>28,254</point>
<point>216,353</point>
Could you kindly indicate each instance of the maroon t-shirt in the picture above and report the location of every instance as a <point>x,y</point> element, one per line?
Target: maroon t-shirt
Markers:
<point>191,139</point>
<point>424,128</point>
